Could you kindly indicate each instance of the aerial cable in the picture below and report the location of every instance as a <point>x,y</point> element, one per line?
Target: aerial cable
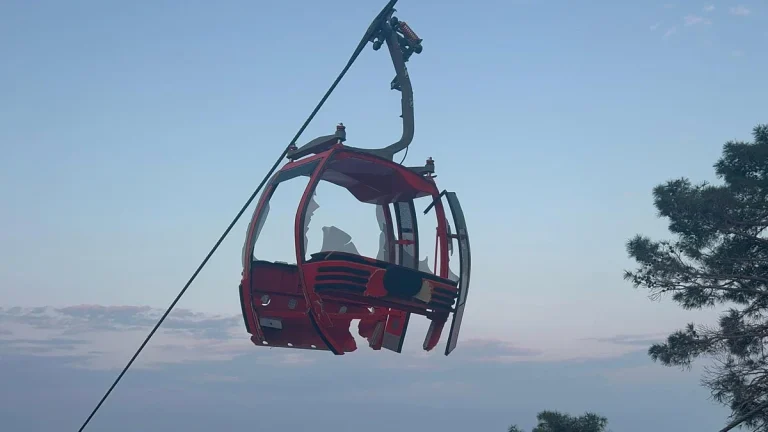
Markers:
<point>363,42</point>
<point>405,155</point>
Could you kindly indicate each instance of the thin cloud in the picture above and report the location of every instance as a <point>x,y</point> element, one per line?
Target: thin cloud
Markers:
<point>670,31</point>
<point>709,8</point>
<point>640,340</point>
<point>655,26</point>
<point>739,10</point>
<point>103,337</point>
<point>492,350</point>
<point>691,20</point>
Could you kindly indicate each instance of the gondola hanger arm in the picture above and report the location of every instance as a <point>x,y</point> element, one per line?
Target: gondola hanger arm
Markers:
<point>402,42</point>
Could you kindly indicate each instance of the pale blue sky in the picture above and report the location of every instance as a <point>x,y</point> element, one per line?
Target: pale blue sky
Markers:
<point>131,133</point>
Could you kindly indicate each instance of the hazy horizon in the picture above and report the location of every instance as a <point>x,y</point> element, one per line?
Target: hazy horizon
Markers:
<point>201,372</point>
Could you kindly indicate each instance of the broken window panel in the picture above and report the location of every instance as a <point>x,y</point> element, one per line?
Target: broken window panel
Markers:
<point>278,221</point>
<point>337,221</point>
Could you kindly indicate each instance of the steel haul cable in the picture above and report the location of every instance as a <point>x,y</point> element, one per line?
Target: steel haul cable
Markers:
<point>352,59</point>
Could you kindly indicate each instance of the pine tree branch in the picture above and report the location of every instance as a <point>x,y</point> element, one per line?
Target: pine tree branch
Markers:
<point>745,235</point>
<point>745,417</point>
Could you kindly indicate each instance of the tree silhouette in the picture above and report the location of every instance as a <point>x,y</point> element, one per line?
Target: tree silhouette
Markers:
<point>719,256</point>
<point>554,421</point>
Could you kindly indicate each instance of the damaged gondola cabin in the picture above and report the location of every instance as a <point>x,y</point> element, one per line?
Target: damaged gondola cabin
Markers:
<point>310,303</point>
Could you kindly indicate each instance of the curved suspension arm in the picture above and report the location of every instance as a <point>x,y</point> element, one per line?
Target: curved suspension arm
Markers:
<point>400,49</point>
<point>401,42</point>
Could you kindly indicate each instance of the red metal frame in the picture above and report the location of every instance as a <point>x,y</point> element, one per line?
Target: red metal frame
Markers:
<point>311,304</point>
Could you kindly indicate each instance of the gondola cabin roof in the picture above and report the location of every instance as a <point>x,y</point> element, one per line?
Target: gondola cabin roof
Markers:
<point>371,179</point>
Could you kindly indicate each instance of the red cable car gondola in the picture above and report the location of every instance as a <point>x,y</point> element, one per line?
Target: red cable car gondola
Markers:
<point>310,304</point>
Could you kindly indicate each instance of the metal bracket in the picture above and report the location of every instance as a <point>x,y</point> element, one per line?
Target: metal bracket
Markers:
<point>318,144</point>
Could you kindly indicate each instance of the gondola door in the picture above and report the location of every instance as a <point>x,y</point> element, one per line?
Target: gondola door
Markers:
<point>407,255</point>
<point>465,264</point>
